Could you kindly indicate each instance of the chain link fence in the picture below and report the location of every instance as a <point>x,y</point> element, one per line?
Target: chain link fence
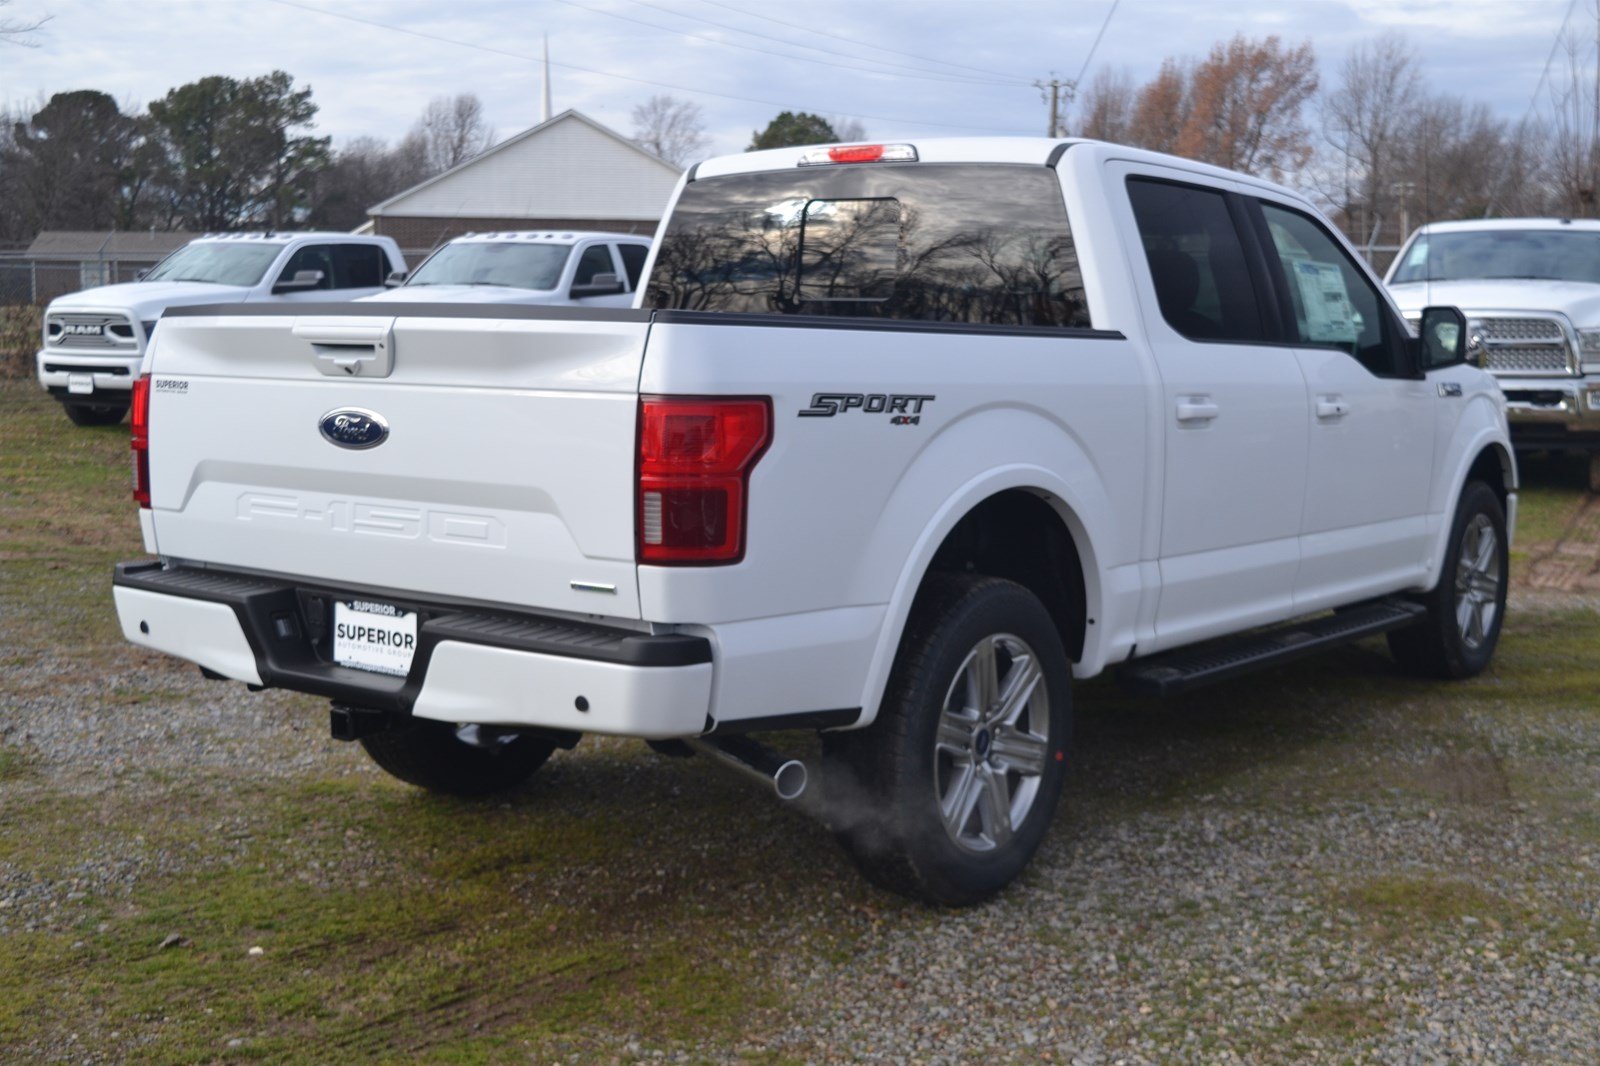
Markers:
<point>37,279</point>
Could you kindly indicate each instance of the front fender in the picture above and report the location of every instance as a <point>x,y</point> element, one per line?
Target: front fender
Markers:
<point>1481,427</point>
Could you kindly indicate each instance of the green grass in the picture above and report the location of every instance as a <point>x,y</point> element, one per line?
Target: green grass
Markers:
<point>625,897</point>
<point>1553,488</point>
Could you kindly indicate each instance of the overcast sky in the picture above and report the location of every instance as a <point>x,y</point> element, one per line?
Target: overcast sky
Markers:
<point>956,66</point>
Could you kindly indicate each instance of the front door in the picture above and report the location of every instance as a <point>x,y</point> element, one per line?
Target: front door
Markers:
<point>1365,530</point>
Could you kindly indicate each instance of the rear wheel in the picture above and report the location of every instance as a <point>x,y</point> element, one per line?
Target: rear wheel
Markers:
<point>95,414</point>
<point>964,765</point>
<point>458,760</point>
<point>1457,637</point>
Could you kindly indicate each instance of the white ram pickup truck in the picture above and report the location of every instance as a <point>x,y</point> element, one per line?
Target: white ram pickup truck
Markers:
<point>95,340</point>
<point>902,439</point>
<point>1530,288</point>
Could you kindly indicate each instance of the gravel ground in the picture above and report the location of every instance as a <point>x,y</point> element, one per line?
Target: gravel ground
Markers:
<point>1277,917</point>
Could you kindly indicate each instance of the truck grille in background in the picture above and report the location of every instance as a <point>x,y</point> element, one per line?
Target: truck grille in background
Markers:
<point>115,331</point>
<point>1526,345</point>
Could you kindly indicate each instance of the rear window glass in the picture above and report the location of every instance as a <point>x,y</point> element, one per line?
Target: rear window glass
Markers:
<point>982,244</point>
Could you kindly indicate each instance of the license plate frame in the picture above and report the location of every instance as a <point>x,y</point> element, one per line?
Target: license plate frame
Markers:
<point>377,637</point>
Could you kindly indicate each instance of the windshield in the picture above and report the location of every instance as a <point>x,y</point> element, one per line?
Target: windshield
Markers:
<point>1544,254</point>
<point>216,262</point>
<point>519,265</point>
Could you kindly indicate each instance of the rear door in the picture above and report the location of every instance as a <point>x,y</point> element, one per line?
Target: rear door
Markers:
<point>505,475</point>
<point>1235,411</point>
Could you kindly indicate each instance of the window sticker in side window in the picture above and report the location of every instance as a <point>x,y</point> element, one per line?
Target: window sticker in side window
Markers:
<point>1330,319</point>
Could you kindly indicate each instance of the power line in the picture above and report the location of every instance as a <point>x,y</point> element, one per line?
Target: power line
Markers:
<point>1056,85</point>
<point>958,79</point>
<point>1533,102</point>
<point>1093,47</point>
<point>621,77</point>
<point>893,52</point>
<point>1555,46</point>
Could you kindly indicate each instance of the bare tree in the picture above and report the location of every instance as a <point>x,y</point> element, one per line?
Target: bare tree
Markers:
<point>16,31</point>
<point>1106,107</point>
<point>450,131</point>
<point>1365,120</point>
<point>671,128</point>
<point>1575,123</point>
<point>846,128</point>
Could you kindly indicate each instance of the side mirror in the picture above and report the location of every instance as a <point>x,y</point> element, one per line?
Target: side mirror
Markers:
<point>1442,339</point>
<point>599,285</point>
<point>138,275</point>
<point>301,282</point>
<point>396,278</point>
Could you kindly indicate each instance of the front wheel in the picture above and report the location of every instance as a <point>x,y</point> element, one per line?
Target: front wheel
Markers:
<point>963,767</point>
<point>95,414</point>
<point>458,760</point>
<point>1458,635</point>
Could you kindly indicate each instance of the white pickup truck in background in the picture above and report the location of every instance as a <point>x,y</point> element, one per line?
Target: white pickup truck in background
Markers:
<point>94,340</point>
<point>1530,288</point>
<point>582,269</point>
<point>901,440</point>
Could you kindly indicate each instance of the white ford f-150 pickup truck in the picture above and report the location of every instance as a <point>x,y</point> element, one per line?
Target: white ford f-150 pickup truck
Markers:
<point>901,439</point>
<point>1530,288</point>
<point>95,340</point>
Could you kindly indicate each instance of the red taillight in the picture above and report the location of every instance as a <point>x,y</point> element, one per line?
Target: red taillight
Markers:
<point>695,458</point>
<point>140,440</point>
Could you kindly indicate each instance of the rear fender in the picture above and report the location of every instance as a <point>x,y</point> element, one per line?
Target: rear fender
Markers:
<point>1073,489</point>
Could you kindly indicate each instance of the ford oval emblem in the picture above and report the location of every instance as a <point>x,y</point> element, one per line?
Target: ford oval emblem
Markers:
<point>354,427</point>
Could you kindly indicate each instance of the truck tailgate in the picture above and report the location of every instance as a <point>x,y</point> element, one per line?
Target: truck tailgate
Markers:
<point>506,474</point>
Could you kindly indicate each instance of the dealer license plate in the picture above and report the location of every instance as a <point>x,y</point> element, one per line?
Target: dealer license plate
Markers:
<point>374,636</point>
<point>80,384</point>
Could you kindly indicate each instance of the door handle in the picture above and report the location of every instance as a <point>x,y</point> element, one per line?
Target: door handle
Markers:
<point>1197,409</point>
<point>1331,407</point>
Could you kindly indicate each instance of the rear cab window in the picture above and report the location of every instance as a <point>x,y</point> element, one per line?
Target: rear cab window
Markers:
<point>932,242</point>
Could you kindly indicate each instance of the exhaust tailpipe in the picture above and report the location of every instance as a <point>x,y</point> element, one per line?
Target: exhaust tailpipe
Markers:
<point>786,777</point>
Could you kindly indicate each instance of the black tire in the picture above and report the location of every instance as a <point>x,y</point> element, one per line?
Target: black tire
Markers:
<point>440,757</point>
<point>1457,639</point>
<point>95,414</point>
<point>914,756</point>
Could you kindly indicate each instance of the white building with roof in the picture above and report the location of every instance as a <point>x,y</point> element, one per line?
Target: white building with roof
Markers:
<point>567,173</point>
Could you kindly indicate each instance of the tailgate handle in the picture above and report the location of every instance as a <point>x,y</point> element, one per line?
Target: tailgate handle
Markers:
<point>349,348</point>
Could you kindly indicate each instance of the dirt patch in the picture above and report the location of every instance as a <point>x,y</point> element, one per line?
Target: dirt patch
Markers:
<point>1572,563</point>
<point>1470,777</point>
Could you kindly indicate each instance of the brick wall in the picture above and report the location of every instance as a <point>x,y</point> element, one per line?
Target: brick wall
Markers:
<point>418,236</point>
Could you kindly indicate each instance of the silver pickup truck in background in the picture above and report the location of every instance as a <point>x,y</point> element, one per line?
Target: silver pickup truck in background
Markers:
<point>1530,288</point>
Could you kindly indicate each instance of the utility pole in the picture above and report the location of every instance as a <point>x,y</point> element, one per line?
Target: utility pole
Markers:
<point>1060,93</point>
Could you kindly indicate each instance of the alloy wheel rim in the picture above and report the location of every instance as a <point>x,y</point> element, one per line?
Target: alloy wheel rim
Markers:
<point>992,743</point>
<point>1478,582</point>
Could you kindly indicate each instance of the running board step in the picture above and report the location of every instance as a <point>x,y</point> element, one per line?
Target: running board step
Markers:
<point>1218,660</point>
